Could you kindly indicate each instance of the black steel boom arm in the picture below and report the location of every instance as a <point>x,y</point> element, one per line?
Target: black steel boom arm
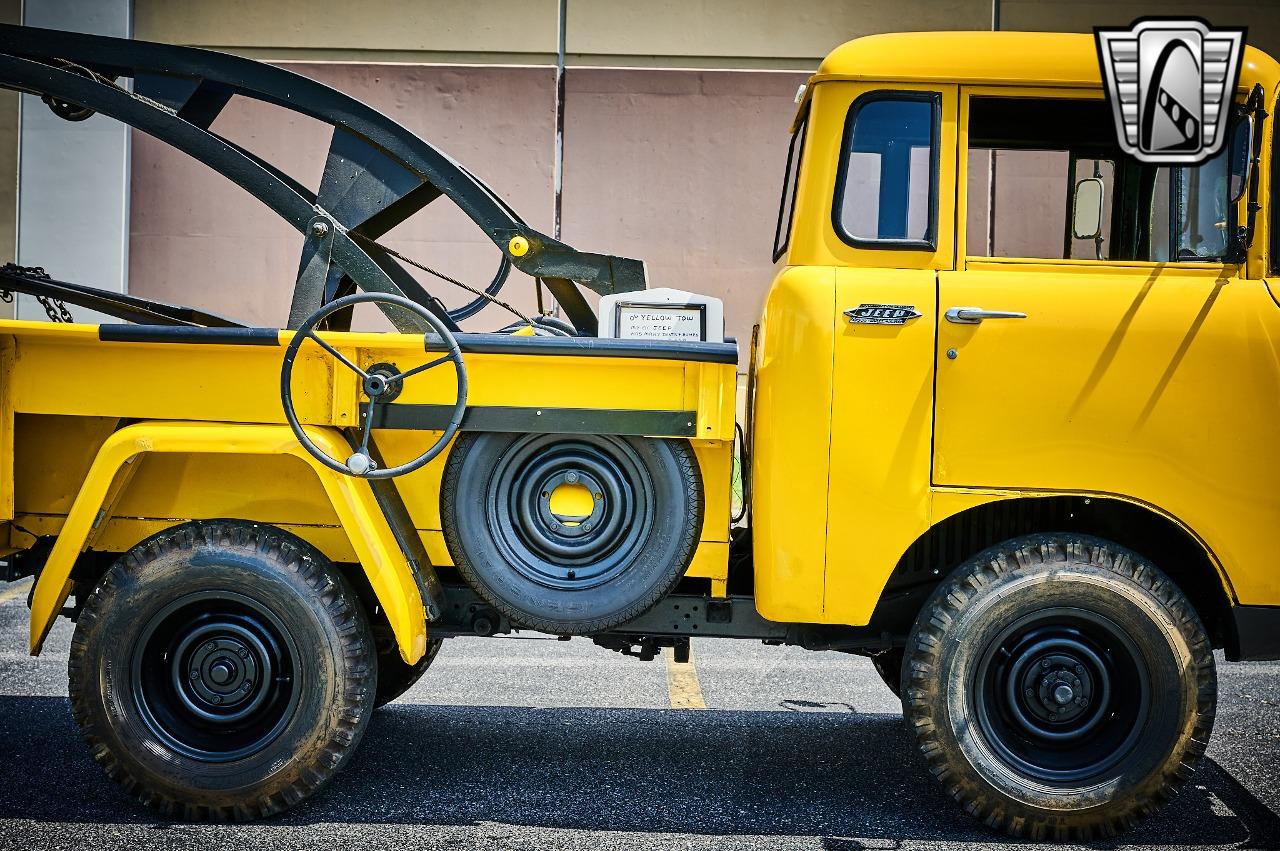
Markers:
<point>377,173</point>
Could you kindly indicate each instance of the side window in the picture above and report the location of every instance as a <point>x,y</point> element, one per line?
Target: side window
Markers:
<point>1019,203</point>
<point>790,180</point>
<point>1026,157</point>
<point>886,189</point>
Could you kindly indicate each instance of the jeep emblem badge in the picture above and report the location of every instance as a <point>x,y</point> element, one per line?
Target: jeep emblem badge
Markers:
<point>1170,83</point>
<point>882,314</point>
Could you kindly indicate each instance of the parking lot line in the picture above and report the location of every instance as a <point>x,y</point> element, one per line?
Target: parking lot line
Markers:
<point>683,687</point>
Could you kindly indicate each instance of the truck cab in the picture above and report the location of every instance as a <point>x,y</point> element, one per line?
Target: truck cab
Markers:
<point>991,325</point>
<point>939,343</point>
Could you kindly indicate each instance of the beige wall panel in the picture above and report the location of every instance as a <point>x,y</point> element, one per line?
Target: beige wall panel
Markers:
<point>510,26</point>
<point>199,239</point>
<point>674,33</point>
<point>682,169</point>
<point>1262,17</point>
<point>755,28</point>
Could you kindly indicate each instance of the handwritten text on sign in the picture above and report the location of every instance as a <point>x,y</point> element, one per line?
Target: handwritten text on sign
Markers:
<point>656,322</point>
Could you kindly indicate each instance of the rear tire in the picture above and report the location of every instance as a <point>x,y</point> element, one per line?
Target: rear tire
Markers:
<point>1060,687</point>
<point>222,670</point>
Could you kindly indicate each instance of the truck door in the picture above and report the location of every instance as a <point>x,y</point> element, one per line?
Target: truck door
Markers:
<point>891,213</point>
<point>1139,362</point>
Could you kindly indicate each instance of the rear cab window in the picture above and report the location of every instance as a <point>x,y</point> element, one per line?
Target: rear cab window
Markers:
<point>790,182</point>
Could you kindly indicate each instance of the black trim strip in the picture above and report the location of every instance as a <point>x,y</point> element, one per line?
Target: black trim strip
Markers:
<point>480,344</point>
<point>180,334</point>
<point>508,344</point>
<point>537,420</point>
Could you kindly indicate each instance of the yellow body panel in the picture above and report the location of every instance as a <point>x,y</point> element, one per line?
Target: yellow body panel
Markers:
<point>1151,383</point>
<point>1154,382</point>
<point>371,538</point>
<point>881,427</point>
<point>65,445</point>
<point>790,459</point>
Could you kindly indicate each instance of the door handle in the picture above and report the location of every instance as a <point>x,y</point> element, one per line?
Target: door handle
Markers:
<point>974,315</point>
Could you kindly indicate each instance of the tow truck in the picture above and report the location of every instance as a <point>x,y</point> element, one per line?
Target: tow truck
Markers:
<point>1036,490</point>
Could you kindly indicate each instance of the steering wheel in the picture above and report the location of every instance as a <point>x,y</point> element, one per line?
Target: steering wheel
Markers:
<point>380,383</point>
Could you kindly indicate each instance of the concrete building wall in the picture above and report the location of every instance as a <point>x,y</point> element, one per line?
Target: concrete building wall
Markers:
<point>675,139</point>
<point>681,168</point>
<point>661,33</point>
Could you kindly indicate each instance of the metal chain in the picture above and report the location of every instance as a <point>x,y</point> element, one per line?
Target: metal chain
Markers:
<point>54,308</point>
<point>442,276</point>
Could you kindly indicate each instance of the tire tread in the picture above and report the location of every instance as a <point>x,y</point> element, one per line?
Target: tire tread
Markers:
<point>924,680</point>
<point>308,772</point>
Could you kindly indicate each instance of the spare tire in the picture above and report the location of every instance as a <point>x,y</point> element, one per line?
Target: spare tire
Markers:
<point>571,534</point>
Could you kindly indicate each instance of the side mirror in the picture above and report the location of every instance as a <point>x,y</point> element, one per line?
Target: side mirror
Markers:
<point>1086,208</point>
<point>1241,158</point>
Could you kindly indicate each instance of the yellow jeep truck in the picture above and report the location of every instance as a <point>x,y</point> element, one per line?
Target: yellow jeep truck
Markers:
<point>1009,433</point>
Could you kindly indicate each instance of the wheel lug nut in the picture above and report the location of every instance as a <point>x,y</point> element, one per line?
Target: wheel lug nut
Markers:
<point>216,700</point>
<point>1044,663</point>
<point>1079,669</point>
<point>571,477</point>
<point>1030,693</point>
<point>244,654</point>
<point>195,675</point>
<point>211,646</point>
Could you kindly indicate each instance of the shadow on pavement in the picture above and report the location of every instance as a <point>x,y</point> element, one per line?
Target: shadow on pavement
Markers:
<point>826,775</point>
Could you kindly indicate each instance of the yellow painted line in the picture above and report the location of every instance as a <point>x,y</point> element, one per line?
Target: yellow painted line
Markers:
<point>683,687</point>
<point>17,589</point>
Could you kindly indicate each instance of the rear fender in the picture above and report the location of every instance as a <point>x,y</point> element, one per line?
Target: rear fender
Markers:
<point>390,574</point>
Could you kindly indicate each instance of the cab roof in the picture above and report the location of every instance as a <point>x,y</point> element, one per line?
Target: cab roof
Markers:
<point>995,58</point>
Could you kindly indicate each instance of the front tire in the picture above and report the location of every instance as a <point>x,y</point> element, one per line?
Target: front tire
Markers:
<point>1060,686</point>
<point>222,671</point>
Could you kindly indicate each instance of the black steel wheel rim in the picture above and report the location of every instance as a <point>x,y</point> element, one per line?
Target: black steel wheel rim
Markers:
<point>570,552</point>
<point>215,676</point>
<point>1061,695</point>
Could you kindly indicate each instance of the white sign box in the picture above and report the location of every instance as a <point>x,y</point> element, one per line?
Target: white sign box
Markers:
<point>662,314</point>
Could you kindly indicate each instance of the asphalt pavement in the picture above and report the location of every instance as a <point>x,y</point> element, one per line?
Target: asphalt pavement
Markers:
<point>531,743</point>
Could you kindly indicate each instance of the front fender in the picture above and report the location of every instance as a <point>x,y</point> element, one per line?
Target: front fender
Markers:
<point>390,574</point>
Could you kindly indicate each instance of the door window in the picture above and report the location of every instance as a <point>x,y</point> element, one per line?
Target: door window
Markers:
<point>1027,155</point>
<point>886,190</point>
